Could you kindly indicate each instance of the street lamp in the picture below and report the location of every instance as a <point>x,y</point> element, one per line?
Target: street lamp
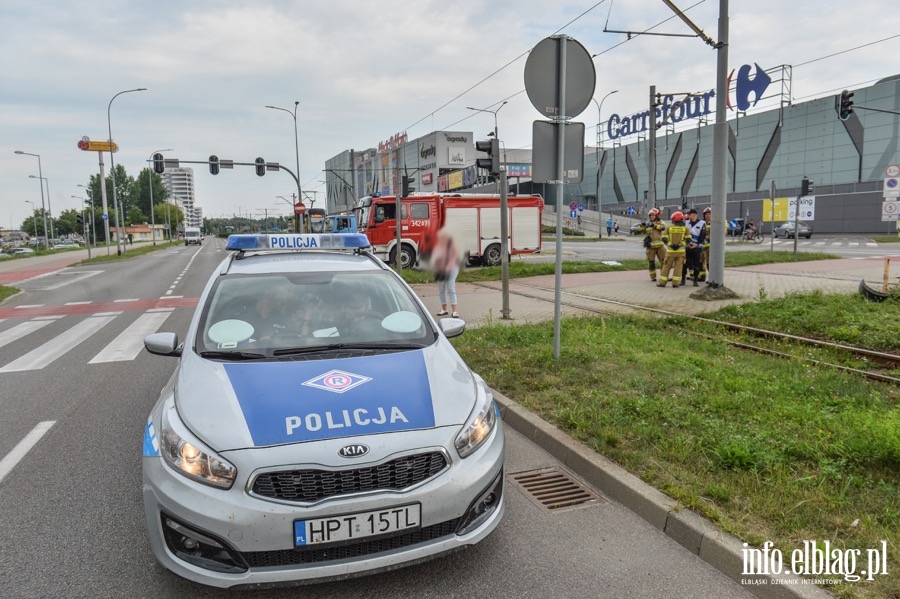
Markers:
<point>93,216</point>
<point>43,211</point>
<point>150,176</point>
<point>85,231</point>
<point>112,167</point>
<point>599,143</point>
<point>46,181</point>
<point>33,218</point>
<point>296,142</point>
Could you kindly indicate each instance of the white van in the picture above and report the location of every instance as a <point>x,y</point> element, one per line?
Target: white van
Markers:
<point>192,235</point>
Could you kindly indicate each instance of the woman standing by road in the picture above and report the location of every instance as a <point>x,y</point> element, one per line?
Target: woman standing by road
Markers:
<point>445,262</point>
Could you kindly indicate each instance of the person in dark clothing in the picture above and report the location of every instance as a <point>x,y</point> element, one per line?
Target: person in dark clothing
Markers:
<point>696,238</point>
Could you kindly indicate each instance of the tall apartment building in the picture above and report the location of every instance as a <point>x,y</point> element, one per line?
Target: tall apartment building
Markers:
<point>179,182</point>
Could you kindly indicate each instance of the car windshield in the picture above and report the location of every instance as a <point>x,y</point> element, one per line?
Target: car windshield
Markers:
<point>279,314</point>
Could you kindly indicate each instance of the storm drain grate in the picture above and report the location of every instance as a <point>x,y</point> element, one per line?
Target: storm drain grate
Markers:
<point>553,489</point>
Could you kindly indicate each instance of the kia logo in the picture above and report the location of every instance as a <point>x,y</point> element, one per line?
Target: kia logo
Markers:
<point>353,451</point>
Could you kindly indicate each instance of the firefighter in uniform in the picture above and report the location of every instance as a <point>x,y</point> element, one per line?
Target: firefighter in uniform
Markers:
<point>675,237</point>
<point>654,229</point>
<point>704,254</point>
<point>695,242</point>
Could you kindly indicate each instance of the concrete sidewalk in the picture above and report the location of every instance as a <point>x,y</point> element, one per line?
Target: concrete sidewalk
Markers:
<point>531,300</point>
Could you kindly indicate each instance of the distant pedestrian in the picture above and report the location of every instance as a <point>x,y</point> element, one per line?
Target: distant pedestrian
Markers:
<point>445,262</point>
<point>609,226</point>
<point>616,228</point>
<point>675,236</point>
<point>578,220</point>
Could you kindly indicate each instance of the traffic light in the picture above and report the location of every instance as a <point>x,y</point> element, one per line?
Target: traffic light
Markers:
<point>407,185</point>
<point>806,187</point>
<point>214,165</point>
<point>261,167</point>
<point>159,164</point>
<point>492,162</point>
<point>80,219</point>
<point>845,105</point>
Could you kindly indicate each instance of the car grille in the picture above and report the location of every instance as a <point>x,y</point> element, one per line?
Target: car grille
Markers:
<point>315,485</point>
<point>291,557</point>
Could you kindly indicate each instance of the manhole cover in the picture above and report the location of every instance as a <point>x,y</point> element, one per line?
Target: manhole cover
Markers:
<point>553,489</point>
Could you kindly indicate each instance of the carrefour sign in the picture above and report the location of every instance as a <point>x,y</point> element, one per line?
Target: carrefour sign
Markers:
<point>695,105</point>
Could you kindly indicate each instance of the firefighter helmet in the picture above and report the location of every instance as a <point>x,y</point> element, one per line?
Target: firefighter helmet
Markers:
<point>677,215</point>
<point>707,210</point>
<point>653,212</point>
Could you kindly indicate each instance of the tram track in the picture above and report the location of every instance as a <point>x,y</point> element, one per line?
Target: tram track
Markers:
<point>588,303</point>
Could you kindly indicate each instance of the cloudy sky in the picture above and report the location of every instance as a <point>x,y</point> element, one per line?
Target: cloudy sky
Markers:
<point>362,71</point>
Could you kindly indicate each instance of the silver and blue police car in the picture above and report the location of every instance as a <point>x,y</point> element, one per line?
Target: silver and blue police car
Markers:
<point>319,424</point>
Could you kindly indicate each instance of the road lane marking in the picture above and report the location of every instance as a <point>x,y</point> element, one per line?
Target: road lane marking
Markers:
<point>130,342</point>
<point>53,349</point>
<point>23,447</point>
<point>20,330</point>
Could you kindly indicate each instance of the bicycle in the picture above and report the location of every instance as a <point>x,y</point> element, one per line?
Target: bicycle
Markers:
<point>755,236</point>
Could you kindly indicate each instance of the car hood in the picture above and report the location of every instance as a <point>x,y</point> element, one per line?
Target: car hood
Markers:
<point>236,405</point>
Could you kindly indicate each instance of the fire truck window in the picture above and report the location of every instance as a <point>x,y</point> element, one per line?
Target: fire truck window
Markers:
<point>419,211</point>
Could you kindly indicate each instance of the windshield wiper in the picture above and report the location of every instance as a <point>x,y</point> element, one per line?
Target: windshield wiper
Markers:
<point>235,356</point>
<point>293,351</point>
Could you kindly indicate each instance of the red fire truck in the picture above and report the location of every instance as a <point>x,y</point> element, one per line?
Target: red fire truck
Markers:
<point>473,220</point>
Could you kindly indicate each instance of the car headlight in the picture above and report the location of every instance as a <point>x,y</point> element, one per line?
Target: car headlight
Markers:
<point>189,457</point>
<point>480,423</point>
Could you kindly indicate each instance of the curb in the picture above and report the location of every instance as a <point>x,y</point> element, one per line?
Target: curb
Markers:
<point>695,533</point>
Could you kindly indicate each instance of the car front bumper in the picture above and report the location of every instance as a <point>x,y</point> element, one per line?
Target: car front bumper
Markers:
<point>248,541</point>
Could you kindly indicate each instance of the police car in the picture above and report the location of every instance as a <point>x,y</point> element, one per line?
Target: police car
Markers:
<point>319,423</point>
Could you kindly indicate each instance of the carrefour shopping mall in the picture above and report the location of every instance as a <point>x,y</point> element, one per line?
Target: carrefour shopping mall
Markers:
<point>851,162</point>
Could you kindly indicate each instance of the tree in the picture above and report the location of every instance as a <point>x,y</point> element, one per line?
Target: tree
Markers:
<point>67,223</point>
<point>141,190</point>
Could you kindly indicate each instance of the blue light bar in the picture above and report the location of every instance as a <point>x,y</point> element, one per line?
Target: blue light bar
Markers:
<point>297,241</point>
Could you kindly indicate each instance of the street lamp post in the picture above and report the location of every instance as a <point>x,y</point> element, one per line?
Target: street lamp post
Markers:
<point>112,168</point>
<point>43,211</point>
<point>93,216</point>
<point>296,142</point>
<point>85,231</point>
<point>150,176</point>
<point>599,146</point>
<point>503,191</point>
<point>46,181</point>
<point>33,218</point>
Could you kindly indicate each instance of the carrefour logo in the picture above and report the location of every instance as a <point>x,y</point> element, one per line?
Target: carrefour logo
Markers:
<point>746,85</point>
<point>693,106</point>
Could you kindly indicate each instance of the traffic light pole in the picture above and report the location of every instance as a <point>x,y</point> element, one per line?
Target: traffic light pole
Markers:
<point>504,243</point>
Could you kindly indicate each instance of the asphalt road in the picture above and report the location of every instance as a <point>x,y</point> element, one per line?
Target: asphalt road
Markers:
<point>73,523</point>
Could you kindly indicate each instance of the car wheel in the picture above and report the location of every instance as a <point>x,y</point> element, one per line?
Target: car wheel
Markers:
<point>808,236</point>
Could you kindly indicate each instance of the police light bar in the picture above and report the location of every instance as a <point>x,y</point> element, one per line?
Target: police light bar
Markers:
<point>297,241</point>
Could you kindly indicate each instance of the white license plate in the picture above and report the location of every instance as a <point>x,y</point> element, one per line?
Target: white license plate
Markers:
<point>349,527</point>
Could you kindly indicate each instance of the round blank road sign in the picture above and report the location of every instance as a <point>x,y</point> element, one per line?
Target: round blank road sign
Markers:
<point>542,74</point>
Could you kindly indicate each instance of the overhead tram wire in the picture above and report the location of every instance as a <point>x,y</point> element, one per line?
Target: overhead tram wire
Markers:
<point>845,51</point>
<point>508,64</point>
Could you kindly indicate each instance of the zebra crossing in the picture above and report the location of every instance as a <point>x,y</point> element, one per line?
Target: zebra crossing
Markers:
<point>126,346</point>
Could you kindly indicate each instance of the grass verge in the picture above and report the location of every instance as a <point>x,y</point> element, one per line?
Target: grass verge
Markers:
<point>770,449</point>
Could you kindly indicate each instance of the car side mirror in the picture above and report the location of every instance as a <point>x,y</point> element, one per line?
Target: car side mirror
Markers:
<point>452,327</point>
<point>163,344</point>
